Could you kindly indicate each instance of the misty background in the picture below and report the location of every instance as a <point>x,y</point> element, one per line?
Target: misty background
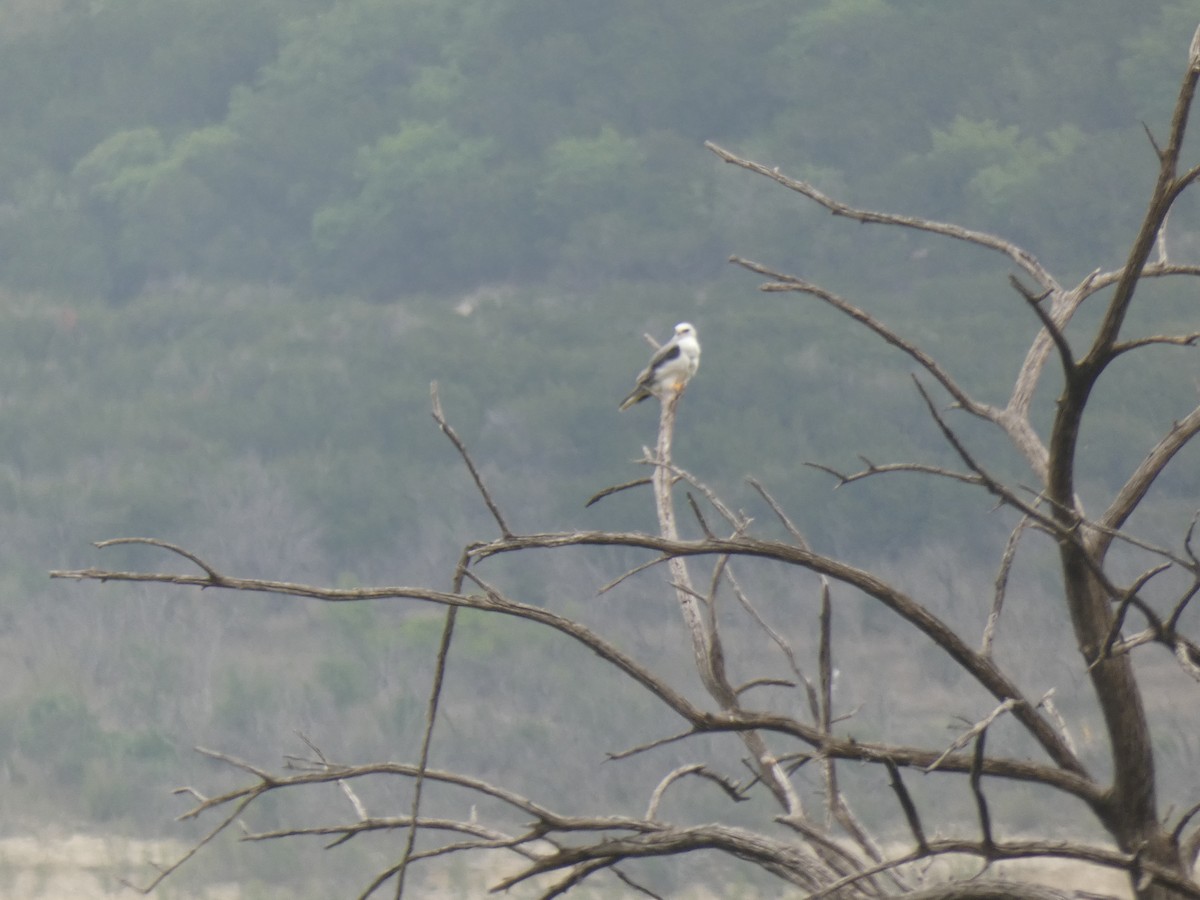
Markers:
<point>239,239</point>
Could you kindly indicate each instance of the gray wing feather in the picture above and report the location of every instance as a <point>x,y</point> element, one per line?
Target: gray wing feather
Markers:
<point>665,353</point>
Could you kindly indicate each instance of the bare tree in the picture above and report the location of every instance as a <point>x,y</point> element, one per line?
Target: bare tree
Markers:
<point>810,839</point>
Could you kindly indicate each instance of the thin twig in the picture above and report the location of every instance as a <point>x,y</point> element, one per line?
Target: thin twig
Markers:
<point>1130,596</point>
<point>167,871</point>
<point>783,517</point>
<point>778,639</point>
<point>825,673</point>
<point>212,573</point>
<point>981,805</point>
<point>911,816</point>
<point>641,567</point>
<point>873,469</point>
<point>1001,589</point>
<point>1056,335</point>
<point>435,694</point>
<point>650,745</point>
<point>700,770</point>
<point>973,732</point>
<point>1020,256</point>
<point>1047,703</point>
<point>450,433</point>
<point>1168,340</point>
<point>785,282</point>
<point>1177,611</point>
<point>616,488</point>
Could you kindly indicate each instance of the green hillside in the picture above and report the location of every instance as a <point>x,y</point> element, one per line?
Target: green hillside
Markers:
<point>240,238</point>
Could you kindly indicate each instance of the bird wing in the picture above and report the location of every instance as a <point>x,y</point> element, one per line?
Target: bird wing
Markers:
<point>662,355</point>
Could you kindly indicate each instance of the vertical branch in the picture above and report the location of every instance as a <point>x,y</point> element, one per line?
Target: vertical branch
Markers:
<point>706,646</point>
<point>906,804</point>
<point>981,805</point>
<point>1006,563</point>
<point>689,604</point>
<point>836,807</point>
<point>435,694</point>
<point>1166,190</point>
<point>825,664</point>
<point>439,671</point>
<point>453,437</point>
<point>1132,814</point>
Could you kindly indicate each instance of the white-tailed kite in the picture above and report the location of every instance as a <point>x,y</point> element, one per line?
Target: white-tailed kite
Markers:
<point>671,367</point>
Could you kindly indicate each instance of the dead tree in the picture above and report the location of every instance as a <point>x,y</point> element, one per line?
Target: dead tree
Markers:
<point>819,846</point>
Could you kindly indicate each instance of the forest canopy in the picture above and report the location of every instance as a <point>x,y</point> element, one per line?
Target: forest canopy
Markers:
<point>381,147</point>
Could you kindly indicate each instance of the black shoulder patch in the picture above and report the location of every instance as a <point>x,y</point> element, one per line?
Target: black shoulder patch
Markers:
<point>672,353</point>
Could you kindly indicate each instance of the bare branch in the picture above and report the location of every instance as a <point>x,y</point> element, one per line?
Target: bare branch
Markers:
<point>972,734</point>
<point>1047,703</point>
<point>450,433</point>
<point>1100,280</point>
<point>609,491</point>
<point>1177,831</point>
<point>167,871</point>
<point>706,644</point>
<point>1144,476</point>
<point>1166,190</point>
<point>833,856</point>
<point>825,720</point>
<point>1048,323</point>
<point>1160,240</point>
<point>1021,257</point>
<point>1188,654</point>
<point>763,682</point>
<point>735,520</point>
<point>792,283</point>
<point>577,876</point>
<point>783,858</point>
<point>993,484</point>
<point>910,809</point>
<point>489,838</point>
<point>873,469</point>
<point>1118,619</point>
<point>700,770</point>
<point>435,695</point>
<point>1173,340</point>
<point>651,745</point>
<point>1006,562</point>
<point>1177,611</point>
<point>981,806</point>
<point>791,527</point>
<point>1073,776</point>
<point>1158,151</point>
<point>213,575</point>
<point>641,889</point>
<point>360,808</point>
<point>1007,850</point>
<point>784,647</point>
<point>624,576</point>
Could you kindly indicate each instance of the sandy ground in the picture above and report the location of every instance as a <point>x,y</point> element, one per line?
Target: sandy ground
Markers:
<point>86,867</point>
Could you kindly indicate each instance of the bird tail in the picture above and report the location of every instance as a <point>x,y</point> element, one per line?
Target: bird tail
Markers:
<point>636,396</point>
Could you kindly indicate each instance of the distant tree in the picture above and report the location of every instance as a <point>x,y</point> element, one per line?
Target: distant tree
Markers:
<point>1126,592</point>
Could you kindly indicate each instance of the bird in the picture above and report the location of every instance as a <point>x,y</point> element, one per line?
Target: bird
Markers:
<point>670,368</point>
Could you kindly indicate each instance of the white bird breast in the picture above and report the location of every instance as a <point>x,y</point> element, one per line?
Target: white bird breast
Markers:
<point>682,367</point>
